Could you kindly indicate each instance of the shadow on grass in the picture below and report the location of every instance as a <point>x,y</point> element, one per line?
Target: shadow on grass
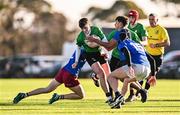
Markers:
<point>23,104</point>
<point>170,100</point>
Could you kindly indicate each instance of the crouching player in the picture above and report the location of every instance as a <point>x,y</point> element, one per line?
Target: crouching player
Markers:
<point>68,76</point>
<point>137,68</point>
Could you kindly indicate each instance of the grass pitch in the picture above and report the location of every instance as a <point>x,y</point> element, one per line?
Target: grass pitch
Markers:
<point>164,99</point>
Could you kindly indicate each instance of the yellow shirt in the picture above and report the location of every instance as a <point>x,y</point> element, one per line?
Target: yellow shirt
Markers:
<point>156,35</point>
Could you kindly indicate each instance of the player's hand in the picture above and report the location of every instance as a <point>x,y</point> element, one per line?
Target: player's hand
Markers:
<point>131,72</point>
<point>74,65</point>
<point>152,45</point>
<point>104,55</point>
<point>91,39</point>
<point>152,80</point>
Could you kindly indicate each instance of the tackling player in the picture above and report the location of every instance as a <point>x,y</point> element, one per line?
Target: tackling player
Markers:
<point>137,68</point>
<point>113,42</point>
<point>67,76</point>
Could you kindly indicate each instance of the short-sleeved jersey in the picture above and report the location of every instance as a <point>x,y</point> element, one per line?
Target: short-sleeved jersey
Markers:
<point>156,35</point>
<point>115,51</point>
<point>139,29</point>
<point>81,62</point>
<point>137,52</point>
<point>80,41</point>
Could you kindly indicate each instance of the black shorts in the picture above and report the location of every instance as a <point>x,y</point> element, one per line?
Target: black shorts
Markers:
<point>158,61</point>
<point>116,63</point>
<point>92,57</point>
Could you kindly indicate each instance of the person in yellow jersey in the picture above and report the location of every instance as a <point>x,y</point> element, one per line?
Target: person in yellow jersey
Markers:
<point>158,39</point>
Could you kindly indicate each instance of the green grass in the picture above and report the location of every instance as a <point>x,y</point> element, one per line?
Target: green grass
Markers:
<point>164,99</point>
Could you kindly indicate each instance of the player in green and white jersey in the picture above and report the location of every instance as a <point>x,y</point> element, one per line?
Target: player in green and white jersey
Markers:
<point>93,55</point>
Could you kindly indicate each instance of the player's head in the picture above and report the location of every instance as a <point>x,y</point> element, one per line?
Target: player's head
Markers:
<point>84,25</point>
<point>123,35</point>
<point>133,16</point>
<point>153,19</point>
<point>121,22</point>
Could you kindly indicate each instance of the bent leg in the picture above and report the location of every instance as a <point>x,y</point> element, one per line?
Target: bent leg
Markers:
<point>114,76</point>
<point>106,68</point>
<point>126,85</point>
<point>96,67</point>
<point>78,93</point>
<point>51,87</point>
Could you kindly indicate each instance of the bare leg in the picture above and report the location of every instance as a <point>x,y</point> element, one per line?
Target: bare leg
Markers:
<point>136,85</point>
<point>126,85</point>
<point>96,67</point>
<point>78,93</point>
<point>51,87</point>
<point>106,68</point>
<point>114,76</point>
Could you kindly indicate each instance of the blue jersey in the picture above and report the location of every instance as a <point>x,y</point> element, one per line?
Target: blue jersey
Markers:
<point>81,62</point>
<point>138,55</point>
<point>118,40</point>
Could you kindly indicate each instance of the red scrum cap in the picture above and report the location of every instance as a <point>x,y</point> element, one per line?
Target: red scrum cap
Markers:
<point>133,13</point>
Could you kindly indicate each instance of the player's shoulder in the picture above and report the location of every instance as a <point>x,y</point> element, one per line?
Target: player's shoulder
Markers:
<point>81,34</point>
<point>140,25</point>
<point>94,27</point>
<point>161,27</point>
<point>113,31</point>
<point>148,27</point>
<point>129,30</point>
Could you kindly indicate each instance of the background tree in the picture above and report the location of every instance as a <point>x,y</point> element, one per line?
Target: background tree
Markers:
<point>119,7</point>
<point>30,26</point>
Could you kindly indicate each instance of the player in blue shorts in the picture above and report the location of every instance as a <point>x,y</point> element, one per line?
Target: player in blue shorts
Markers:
<point>137,68</point>
<point>68,76</point>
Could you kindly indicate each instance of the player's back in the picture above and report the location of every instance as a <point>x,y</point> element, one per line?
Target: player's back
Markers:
<point>138,55</point>
<point>81,62</point>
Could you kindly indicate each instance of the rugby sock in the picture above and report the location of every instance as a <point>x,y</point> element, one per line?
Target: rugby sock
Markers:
<point>108,94</point>
<point>117,93</point>
<point>110,90</point>
<point>141,82</point>
<point>132,92</point>
<point>147,86</point>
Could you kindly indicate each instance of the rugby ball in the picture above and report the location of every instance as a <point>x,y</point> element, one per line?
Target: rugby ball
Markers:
<point>92,44</point>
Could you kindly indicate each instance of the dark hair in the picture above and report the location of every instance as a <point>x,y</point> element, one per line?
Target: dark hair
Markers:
<point>83,22</point>
<point>122,19</point>
<point>124,34</point>
<point>153,14</point>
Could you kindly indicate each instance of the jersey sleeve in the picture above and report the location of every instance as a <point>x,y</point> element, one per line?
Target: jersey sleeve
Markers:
<point>134,37</point>
<point>99,33</point>
<point>79,40</point>
<point>165,35</point>
<point>120,46</point>
<point>143,31</point>
<point>111,35</point>
<point>116,36</point>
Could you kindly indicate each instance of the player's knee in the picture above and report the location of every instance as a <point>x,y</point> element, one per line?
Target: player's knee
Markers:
<point>48,89</point>
<point>101,74</point>
<point>81,96</point>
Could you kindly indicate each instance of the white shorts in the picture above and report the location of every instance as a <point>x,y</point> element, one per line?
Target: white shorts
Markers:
<point>141,71</point>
